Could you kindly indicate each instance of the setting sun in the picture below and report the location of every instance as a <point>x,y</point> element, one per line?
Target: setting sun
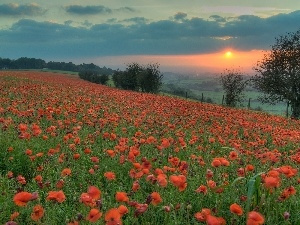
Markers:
<point>228,54</point>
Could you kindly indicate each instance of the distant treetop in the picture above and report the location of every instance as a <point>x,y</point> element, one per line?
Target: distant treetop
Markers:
<point>33,63</point>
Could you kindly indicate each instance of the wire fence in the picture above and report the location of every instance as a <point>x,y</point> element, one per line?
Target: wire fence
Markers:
<point>250,103</point>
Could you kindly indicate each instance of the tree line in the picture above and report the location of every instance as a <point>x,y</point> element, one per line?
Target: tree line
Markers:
<point>33,63</point>
<point>137,77</point>
<point>94,76</point>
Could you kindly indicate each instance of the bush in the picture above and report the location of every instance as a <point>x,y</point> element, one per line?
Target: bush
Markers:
<point>94,77</point>
<point>139,78</point>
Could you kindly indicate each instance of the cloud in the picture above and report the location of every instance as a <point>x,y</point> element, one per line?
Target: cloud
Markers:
<point>141,36</point>
<point>243,10</point>
<point>218,18</point>
<point>180,16</point>
<point>87,10</point>
<point>12,9</point>
<point>138,20</point>
<point>126,9</point>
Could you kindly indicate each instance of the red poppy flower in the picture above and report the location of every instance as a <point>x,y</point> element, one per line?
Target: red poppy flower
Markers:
<point>202,189</point>
<point>140,209</point>
<point>110,175</point>
<point>94,192</point>
<point>123,210</point>
<point>179,181</point>
<point>201,216</point>
<point>58,196</point>
<point>255,218</point>
<point>22,198</point>
<point>236,209</point>
<point>122,197</point>
<point>156,199</point>
<point>113,217</point>
<point>135,186</point>
<point>38,212</point>
<point>213,220</point>
<point>271,182</point>
<point>14,215</point>
<point>66,172</point>
<point>94,215</point>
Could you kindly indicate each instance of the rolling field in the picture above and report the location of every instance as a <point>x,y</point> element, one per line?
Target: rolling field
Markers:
<point>74,152</point>
<point>209,87</point>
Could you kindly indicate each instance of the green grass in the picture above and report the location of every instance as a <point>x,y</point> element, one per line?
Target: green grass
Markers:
<point>208,87</point>
<point>82,115</point>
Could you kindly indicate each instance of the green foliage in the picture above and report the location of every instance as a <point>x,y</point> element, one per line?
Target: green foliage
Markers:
<point>94,77</point>
<point>22,63</point>
<point>150,79</point>
<point>131,76</point>
<point>117,78</point>
<point>139,78</point>
<point>233,84</point>
<point>253,187</point>
<point>278,73</point>
<point>33,63</point>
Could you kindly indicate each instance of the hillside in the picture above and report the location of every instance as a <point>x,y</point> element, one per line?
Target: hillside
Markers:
<point>206,87</point>
<point>76,152</point>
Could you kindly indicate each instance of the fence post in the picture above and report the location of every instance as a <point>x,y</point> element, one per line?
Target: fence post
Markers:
<point>186,95</point>
<point>202,98</point>
<point>223,100</point>
<point>287,109</point>
<point>249,103</point>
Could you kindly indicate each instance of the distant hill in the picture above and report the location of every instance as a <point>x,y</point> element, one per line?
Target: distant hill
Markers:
<point>33,63</point>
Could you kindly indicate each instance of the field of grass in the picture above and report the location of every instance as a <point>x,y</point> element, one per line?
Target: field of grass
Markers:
<point>74,152</point>
<point>209,87</point>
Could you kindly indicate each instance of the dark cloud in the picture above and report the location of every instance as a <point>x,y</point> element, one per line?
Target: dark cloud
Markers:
<point>126,9</point>
<point>88,10</point>
<point>21,10</point>
<point>86,23</point>
<point>180,16</point>
<point>68,22</point>
<point>112,20</point>
<point>218,18</point>
<point>136,20</point>
<point>188,36</point>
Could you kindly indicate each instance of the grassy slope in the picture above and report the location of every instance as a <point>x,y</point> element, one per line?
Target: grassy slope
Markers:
<point>82,115</point>
<point>210,88</point>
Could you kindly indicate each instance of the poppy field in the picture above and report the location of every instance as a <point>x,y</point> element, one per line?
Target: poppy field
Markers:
<point>74,152</point>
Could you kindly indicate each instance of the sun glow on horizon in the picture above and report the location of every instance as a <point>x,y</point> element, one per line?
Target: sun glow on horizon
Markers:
<point>214,62</point>
<point>228,54</point>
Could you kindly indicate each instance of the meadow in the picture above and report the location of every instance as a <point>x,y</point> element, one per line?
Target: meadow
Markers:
<point>210,88</point>
<point>74,152</point>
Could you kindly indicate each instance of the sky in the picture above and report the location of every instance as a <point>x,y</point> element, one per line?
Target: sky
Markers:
<point>192,36</point>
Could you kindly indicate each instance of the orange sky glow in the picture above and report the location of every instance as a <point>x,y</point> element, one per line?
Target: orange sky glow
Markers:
<point>213,62</point>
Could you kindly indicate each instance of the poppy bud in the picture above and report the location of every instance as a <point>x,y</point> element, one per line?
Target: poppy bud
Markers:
<point>286,215</point>
<point>79,216</point>
<point>167,208</point>
<point>149,199</point>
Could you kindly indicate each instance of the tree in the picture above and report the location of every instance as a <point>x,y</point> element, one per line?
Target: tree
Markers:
<point>233,84</point>
<point>139,78</point>
<point>278,73</point>
<point>150,78</point>
<point>103,79</point>
<point>94,76</point>
<point>130,77</point>
<point>5,63</point>
<point>117,78</point>
<point>29,63</point>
